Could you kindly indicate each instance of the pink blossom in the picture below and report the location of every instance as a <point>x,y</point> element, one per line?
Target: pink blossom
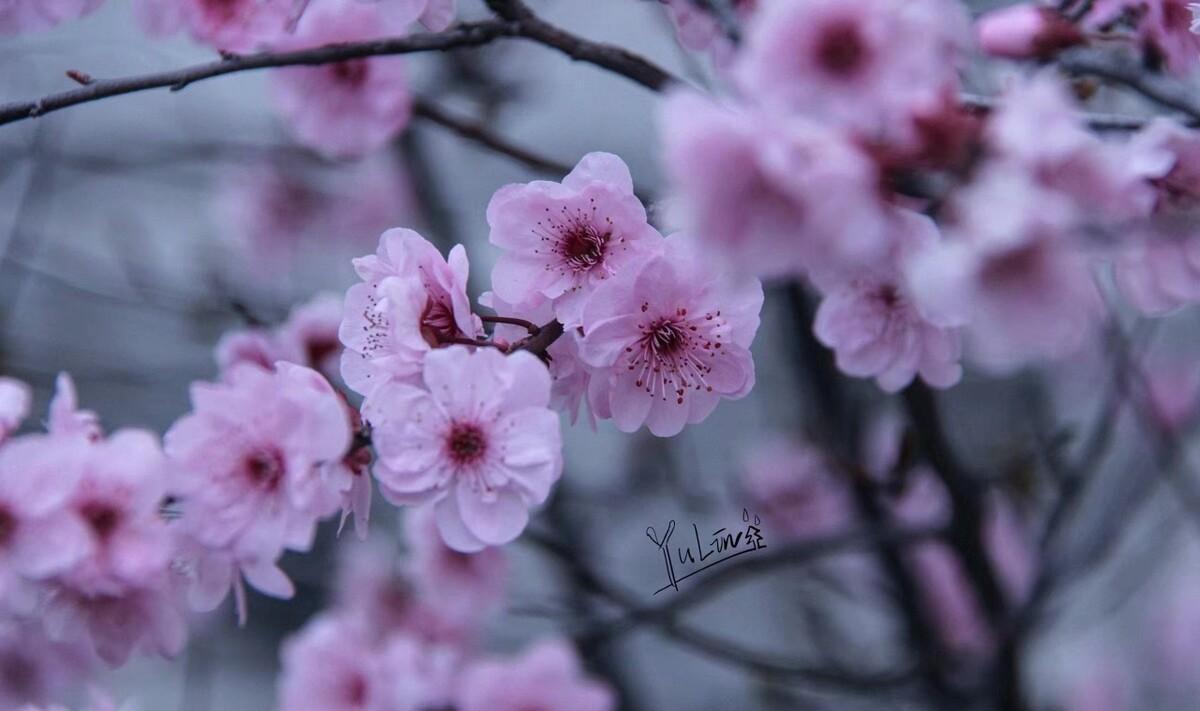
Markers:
<point>561,240</point>
<point>698,30</point>
<point>148,618</point>
<point>345,109</point>
<point>1025,31</point>
<point>1011,272</point>
<point>116,499</point>
<point>862,63</point>
<point>255,346</point>
<point>311,330</point>
<point>410,301</point>
<point>331,666</point>
<point>796,489</point>
<point>460,587</point>
<point>38,475</point>
<point>251,461</point>
<point>481,443</point>
<point>1172,385</point>
<point>774,197</point>
<point>35,15</point>
<point>1157,265</point>
<point>231,25</point>
<point>674,336</point>
<point>36,669</point>
<point>65,416</point>
<point>950,599</point>
<point>876,330</point>
<point>15,401</point>
<point>438,14</point>
<point>547,675</point>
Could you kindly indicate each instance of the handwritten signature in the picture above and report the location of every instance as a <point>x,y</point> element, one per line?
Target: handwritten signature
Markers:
<point>724,544</point>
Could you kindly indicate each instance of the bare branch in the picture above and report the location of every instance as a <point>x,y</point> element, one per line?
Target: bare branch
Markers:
<point>481,134</point>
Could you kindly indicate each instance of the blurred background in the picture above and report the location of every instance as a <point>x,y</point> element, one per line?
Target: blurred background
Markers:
<point>137,230</point>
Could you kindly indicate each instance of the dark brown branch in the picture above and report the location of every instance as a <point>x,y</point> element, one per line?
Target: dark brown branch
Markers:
<point>1160,90</point>
<point>529,326</point>
<point>539,342</point>
<point>465,35</point>
<point>614,59</point>
<point>481,134</point>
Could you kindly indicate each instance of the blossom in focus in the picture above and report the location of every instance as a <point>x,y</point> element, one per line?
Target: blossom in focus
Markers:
<point>1025,31</point>
<point>674,336</point>
<point>546,676</point>
<point>230,25</point>
<point>864,64</point>
<point>870,321</point>
<point>330,665</point>
<point>479,442</point>
<point>251,460</point>
<point>15,401</point>
<point>561,240</point>
<point>343,109</point>
<point>796,489</point>
<point>411,300</point>
<point>35,15</point>
<point>774,196</point>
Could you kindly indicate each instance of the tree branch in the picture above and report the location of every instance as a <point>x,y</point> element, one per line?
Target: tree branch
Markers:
<point>481,134</point>
<point>465,35</point>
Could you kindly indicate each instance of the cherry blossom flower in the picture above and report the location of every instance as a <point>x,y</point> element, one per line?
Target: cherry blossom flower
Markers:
<point>561,240</point>
<point>410,301</point>
<point>674,336</point>
<point>698,30</point>
<point>861,63</point>
<point>460,587</point>
<point>870,321</point>
<point>1010,272</point>
<point>547,675</point>
<point>255,346</point>
<point>148,618</point>
<point>38,538</point>
<point>231,25</point>
<point>774,197</point>
<point>344,109</point>
<point>311,330</point>
<point>35,15</point>
<point>1157,264</point>
<point>795,488</point>
<point>481,443</point>
<point>331,666</point>
<point>15,401</point>
<point>117,498</point>
<point>438,14</point>
<point>274,432</point>
<point>1025,31</point>
<point>34,668</point>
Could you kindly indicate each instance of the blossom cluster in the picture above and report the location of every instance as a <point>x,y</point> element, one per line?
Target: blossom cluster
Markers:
<point>844,133</point>
<point>403,635</point>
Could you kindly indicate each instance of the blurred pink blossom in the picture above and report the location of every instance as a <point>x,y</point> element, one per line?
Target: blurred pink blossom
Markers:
<point>15,400</point>
<point>796,489</point>
<point>35,15</point>
<point>230,25</point>
<point>1164,29</point>
<point>547,675</point>
<point>345,109</point>
<point>1025,31</point>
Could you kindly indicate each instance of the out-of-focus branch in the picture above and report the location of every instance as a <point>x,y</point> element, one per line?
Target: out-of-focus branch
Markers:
<point>1095,121</point>
<point>614,59</point>
<point>1104,65</point>
<point>484,136</point>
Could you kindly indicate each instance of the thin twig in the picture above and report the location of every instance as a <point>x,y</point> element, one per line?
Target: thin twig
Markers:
<point>481,134</point>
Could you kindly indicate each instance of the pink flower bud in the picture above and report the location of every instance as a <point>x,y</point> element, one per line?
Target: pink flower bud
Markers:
<point>1026,31</point>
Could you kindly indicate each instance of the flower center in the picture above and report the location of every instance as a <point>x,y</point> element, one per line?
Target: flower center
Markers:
<point>576,239</point>
<point>438,326</point>
<point>317,350</point>
<point>466,443</point>
<point>264,468</point>
<point>103,518</point>
<point>8,526</point>
<point>356,691</point>
<point>582,247</point>
<point>222,10</point>
<point>351,73</point>
<point>842,50</point>
<point>673,354</point>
